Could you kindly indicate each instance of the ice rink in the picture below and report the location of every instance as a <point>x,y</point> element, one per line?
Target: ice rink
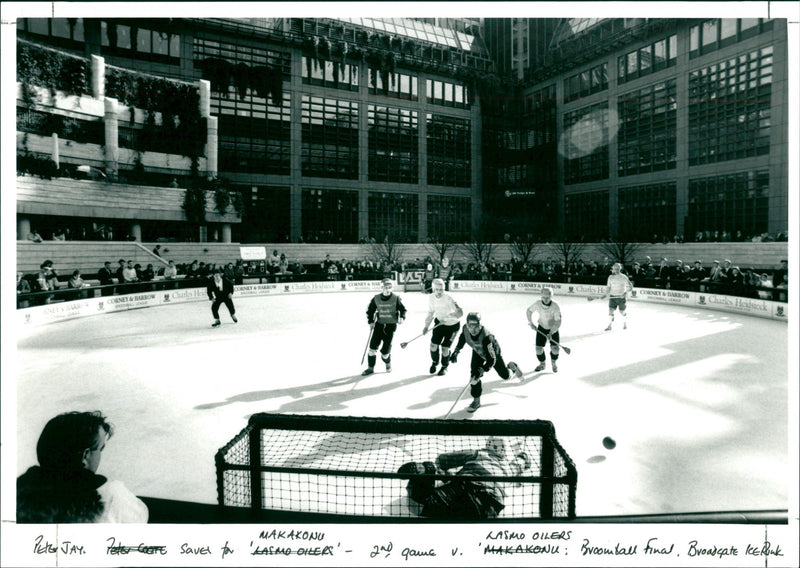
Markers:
<point>696,399</point>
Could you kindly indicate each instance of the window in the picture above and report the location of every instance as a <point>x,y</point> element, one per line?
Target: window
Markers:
<point>711,35</point>
<point>66,31</point>
<point>393,144</point>
<point>646,139</point>
<point>449,149</point>
<point>394,216</point>
<point>586,216</point>
<point>330,138</point>
<point>729,108</point>
<point>141,43</point>
<point>448,219</point>
<point>648,59</point>
<point>398,85</point>
<point>447,94</point>
<point>330,216</point>
<point>586,83</point>
<point>647,210</point>
<point>734,202</point>
<point>331,74</point>
<point>585,144</point>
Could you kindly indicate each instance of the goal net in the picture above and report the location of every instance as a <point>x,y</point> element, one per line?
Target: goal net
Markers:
<point>349,466</point>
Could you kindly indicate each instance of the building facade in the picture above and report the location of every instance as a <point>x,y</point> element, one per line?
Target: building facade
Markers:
<point>413,130</point>
<point>646,130</point>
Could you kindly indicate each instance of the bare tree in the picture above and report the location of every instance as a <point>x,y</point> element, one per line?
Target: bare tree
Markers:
<point>620,251</point>
<point>388,252</point>
<point>569,252</point>
<point>438,251</point>
<point>524,248</point>
<point>480,252</point>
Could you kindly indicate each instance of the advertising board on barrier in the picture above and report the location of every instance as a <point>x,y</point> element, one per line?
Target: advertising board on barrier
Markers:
<point>256,289</point>
<point>665,296</point>
<point>305,287</point>
<point>183,295</point>
<point>735,304</point>
<point>479,285</point>
<point>127,302</point>
<point>253,253</point>
<point>410,277</point>
<point>361,286</point>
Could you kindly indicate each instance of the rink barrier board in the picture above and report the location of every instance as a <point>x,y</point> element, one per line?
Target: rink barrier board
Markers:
<point>62,311</point>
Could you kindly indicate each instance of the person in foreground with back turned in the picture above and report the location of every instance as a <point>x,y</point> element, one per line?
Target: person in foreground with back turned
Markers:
<point>64,487</point>
<point>460,498</point>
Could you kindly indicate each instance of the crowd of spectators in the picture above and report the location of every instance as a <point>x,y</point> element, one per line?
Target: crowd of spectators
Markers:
<point>723,277</point>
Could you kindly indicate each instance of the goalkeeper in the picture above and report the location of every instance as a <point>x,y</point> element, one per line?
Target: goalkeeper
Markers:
<point>485,355</point>
<point>460,497</point>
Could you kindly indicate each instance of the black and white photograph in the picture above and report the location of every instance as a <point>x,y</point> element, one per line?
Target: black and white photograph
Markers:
<point>400,284</point>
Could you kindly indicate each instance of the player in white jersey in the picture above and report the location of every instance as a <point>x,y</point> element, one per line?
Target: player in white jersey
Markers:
<point>444,313</point>
<point>548,315</point>
<point>617,289</point>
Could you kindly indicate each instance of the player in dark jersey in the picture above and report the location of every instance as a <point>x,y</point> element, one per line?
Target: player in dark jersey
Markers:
<point>384,312</point>
<point>485,355</point>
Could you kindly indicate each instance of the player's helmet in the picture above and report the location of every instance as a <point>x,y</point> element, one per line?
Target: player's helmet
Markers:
<point>474,317</point>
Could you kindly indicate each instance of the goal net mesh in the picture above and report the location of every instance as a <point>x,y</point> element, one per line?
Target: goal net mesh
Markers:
<point>348,466</point>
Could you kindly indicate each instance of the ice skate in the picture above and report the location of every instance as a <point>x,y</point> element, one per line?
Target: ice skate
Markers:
<point>515,368</point>
<point>442,372</point>
<point>554,366</point>
<point>608,328</point>
<point>625,326</point>
<point>368,371</point>
<point>539,367</point>
<point>216,323</point>
<point>388,367</point>
<point>476,404</point>
<point>234,319</point>
<point>433,368</point>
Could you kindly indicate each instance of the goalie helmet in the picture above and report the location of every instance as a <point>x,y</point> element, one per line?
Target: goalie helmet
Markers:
<point>474,317</point>
<point>497,446</point>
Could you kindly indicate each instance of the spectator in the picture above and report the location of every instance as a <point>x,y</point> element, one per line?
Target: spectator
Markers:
<point>663,271</point>
<point>34,236</point>
<point>170,271</point>
<point>734,282</point>
<point>75,281</point>
<point>157,250</point>
<point>64,487</point>
<point>283,266</point>
<point>229,272</point>
<point>148,274</point>
<point>120,269</point>
<point>238,271</point>
<point>697,273</point>
<point>715,273</point>
<point>174,183</point>
<point>637,274</point>
<point>129,273</point>
<point>104,275</point>
<point>192,270</point>
<point>274,264</point>
<point>59,235</point>
<point>780,274</point>
<point>23,287</point>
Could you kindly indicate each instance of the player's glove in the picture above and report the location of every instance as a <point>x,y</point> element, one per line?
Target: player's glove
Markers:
<point>525,460</point>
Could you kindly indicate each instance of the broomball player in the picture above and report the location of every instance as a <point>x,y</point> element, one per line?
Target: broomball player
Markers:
<point>617,289</point>
<point>549,321</point>
<point>444,313</point>
<point>220,290</point>
<point>384,312</point>
<point>485,355</point>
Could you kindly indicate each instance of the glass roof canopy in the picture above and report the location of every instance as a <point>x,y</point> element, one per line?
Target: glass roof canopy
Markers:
<point>420,30</point>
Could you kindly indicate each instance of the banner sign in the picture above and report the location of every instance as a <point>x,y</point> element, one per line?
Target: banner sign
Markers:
<point>253,253</point>
<point>479,285</point>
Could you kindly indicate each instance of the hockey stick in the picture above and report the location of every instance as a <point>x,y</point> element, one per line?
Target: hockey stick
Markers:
<point>403,345</point>
<point>459,398</point>
<point>566,349</point>
<point>371,329</point>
